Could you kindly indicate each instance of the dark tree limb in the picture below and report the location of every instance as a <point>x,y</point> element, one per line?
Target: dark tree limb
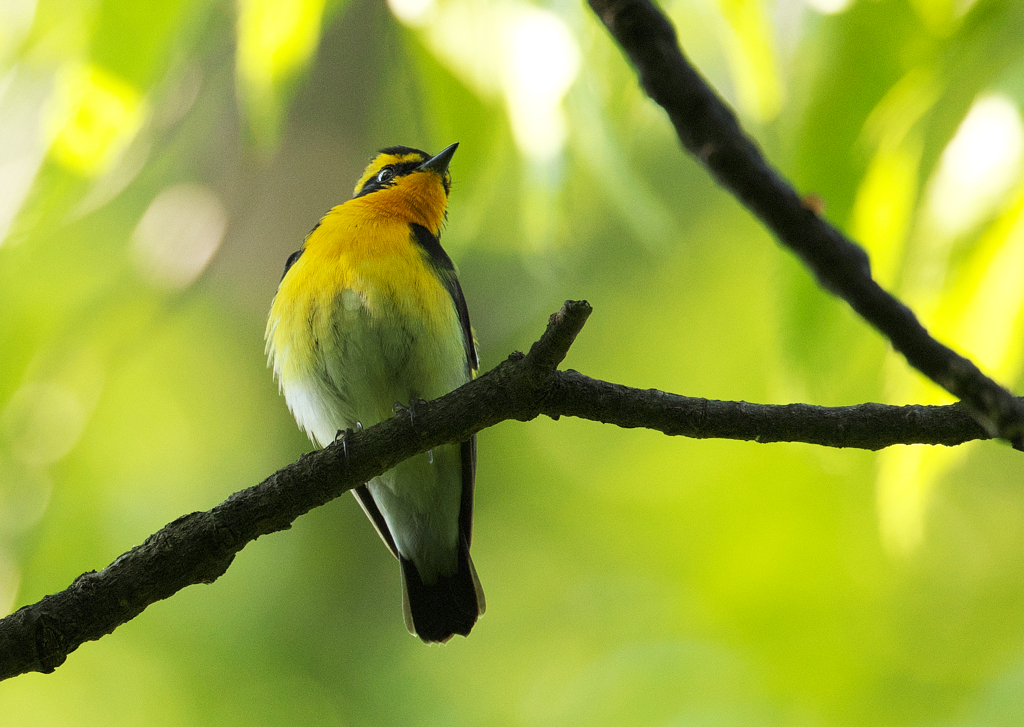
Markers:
<point>199,547</point>
<point>710,131</point>
<point>864,426</point>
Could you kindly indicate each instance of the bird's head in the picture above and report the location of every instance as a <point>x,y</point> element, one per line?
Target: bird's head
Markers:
<point>408,183</point>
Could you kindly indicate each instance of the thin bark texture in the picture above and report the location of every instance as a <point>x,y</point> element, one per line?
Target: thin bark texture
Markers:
<point>710,131</point>
<point>199,547</point>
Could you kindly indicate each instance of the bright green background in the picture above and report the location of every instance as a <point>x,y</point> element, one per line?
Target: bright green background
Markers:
<point>631,579</point>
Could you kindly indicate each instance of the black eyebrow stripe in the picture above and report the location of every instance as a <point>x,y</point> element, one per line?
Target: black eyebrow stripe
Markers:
<point>401,151</point>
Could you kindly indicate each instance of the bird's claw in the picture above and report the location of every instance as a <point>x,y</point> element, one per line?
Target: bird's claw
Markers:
<point>342,435</point>
<point>399,407</point>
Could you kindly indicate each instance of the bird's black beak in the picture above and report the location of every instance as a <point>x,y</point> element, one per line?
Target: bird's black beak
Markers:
<point>439,162</point>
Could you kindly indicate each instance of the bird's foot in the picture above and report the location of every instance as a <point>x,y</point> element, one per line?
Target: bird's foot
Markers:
<point>414,404</point>
<point>342,435</point>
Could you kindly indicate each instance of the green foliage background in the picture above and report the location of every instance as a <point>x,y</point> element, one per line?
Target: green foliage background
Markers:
<point>632,579</point>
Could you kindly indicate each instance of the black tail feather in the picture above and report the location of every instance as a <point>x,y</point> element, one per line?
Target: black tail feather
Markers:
<point>450,606</point>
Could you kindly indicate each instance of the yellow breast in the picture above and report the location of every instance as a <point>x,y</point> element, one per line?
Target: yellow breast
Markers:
<point>361,321</point>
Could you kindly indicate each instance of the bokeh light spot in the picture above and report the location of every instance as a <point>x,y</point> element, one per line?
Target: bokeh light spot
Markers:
<point>828,7</point>
<point>93,117</point>
<point>979,166</point>
<point>276,39</point>
<point>42,422</point>
<point>411,12</point>
<point>179,234</point>
<point>540,67</point>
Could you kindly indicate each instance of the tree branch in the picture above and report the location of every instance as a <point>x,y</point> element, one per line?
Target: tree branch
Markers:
<point>864,426</point>
<point>199,547</point>
<point>710,131</point>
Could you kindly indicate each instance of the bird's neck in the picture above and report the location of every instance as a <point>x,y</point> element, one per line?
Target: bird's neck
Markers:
<point>418,199</point>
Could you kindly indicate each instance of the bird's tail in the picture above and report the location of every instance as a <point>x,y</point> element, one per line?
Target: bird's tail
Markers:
<point>449,606</point>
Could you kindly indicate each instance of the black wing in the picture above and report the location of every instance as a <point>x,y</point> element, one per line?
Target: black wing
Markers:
<point>290,261</point>
<point>293,258</point>
<point>446,272</point>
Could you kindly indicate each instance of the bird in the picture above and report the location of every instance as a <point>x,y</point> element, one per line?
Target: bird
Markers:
<point>368,320</point>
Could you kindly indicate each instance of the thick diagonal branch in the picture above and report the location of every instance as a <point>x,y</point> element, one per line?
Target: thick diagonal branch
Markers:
<point>709,130</point>
<point>199,547</point>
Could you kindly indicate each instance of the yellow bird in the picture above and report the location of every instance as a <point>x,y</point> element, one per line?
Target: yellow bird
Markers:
<point>370,314</point>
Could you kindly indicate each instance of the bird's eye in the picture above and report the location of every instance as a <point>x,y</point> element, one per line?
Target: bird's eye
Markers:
<point>385,174</point>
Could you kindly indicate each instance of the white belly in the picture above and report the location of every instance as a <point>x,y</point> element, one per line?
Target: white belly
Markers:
<point>364,366</point>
